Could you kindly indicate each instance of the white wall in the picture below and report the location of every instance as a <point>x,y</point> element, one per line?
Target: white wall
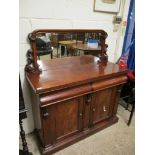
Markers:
<point>62,14</point>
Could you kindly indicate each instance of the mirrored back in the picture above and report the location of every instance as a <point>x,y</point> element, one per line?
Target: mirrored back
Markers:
<point>58,43</point>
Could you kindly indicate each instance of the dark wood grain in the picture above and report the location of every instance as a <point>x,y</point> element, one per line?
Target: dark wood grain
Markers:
<point>77,97</point>
<point>60,95</point>
<point>81,135</point>
<point>66,72</point>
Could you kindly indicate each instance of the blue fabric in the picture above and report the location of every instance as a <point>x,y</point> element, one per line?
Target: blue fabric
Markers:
<point>92,41</point>
<point>129,40</point>
<point>131,57</point>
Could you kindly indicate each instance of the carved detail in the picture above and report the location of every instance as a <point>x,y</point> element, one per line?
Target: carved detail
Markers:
<point>105,52</point>
<point>88,98</point>
<point>104,56</point>
<point>22,134</point>
<point>31,37</point>
<point>103,60</point>
<point>30,67</point>
<point>45,112</point>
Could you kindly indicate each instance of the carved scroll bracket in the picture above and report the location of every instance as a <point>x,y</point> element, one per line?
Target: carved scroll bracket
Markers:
<point>103,57</point>
<point>30,66</point>
<point>31,37</point>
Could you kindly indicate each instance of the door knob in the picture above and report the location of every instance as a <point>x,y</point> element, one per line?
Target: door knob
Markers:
<point>104,109</point>
<point>119,90</point>
<point>88,98</point>
<point>45,112</point>
<point>93,109</point>
<point>80,114</point>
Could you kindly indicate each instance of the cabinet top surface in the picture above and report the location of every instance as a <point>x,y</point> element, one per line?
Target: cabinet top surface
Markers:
<point>70,71</point>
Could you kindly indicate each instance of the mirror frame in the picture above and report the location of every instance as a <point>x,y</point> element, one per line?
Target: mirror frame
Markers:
<point>32,65</point>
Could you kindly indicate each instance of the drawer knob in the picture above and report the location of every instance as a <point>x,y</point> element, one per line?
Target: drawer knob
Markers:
<point>93,109</point>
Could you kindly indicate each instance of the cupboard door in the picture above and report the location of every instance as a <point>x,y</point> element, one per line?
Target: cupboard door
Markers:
<point>68,118</point>
<point>102,105</point>
<point>64,120</point>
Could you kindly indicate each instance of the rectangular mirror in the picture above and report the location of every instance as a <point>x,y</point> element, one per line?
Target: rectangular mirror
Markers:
<point>59,43</point>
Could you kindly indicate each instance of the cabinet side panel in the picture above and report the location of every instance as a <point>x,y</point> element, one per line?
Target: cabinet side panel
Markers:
<point>48,124</point>
<point>36,110</point>
<point>36,116</point>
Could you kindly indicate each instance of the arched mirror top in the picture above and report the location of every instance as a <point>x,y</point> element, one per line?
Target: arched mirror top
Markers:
<point>58,43</point>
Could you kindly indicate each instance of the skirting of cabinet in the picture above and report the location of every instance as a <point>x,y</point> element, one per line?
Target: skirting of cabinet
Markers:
<point>81,135</point>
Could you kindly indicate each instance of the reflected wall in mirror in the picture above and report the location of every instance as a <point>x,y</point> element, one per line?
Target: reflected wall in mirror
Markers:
<point>56,45</point>
<point>50,44</point>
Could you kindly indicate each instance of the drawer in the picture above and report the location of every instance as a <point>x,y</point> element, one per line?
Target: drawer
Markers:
<point>102,84</point>
<point>65,94</point>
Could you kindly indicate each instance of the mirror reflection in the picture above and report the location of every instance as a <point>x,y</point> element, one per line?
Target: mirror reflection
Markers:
<point>57,45</point>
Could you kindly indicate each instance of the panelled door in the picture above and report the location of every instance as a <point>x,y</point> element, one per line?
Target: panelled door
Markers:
<point>65,120</point>
<point>103,103</point>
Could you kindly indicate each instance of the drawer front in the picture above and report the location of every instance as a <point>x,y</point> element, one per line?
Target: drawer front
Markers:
<point>109,83</point>
<point>64,94</point>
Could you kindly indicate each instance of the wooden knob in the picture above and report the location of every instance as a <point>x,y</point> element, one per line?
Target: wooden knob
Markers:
<point>118,91</point>
<point>88,98</point>
<point>104,109</point>
<point>80,114</point>
<point>45,112</point>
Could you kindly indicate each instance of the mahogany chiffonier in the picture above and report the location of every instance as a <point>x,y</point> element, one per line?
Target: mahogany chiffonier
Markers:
<point>73,97</point>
